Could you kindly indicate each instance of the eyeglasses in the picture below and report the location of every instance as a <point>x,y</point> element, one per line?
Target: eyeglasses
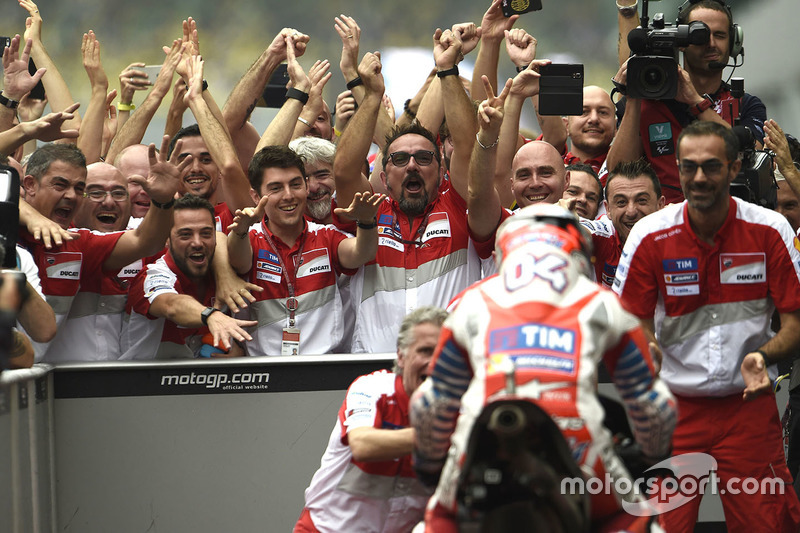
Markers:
<point>99,195</point>
<point>711,168</point>
<point>422,157</point>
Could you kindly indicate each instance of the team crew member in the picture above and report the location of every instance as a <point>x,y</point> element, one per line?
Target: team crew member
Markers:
<point>295,261</point>
<point>365,481</point>
<point>632,192</point>
<point>705,276</point>
<point>649,127</point>
<point>170,307</point>
<point>426,254</point>
<point>543,317</point>
<point>54,185</point>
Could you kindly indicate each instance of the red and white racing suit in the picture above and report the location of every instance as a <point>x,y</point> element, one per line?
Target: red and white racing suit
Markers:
<point>556,326</point>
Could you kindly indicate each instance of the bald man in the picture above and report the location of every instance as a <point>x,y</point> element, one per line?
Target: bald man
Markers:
<point>133,161</point>
<point>538,174</point>
<point>591,132</point>
<point>106,205</point>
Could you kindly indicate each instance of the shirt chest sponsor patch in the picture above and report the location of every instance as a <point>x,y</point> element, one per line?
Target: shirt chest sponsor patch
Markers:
<point>268,276</point>
<point>438,226</point>
<point>64,265</point>
<point>743,268</point>
<point>683,290</point>
<point>131,270</point>
<point>391,243</point>
<point>688,277</point>
<point>684,264</point>
<point>314,262</point>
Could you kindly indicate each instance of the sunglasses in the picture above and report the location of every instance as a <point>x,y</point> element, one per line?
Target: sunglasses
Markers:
<point>712,167</point>
<point>422,157</point>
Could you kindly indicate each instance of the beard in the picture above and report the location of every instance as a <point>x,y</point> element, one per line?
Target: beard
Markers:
<point>416,205</point>
<point>319,209</point>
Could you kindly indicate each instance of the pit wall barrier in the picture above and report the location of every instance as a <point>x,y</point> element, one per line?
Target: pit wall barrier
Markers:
<point>200,446</point>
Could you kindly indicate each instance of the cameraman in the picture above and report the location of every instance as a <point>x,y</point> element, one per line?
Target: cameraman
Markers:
<point>650,128</point>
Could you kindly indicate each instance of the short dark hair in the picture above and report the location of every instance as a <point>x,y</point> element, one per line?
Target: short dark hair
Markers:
<point>192,201</point>
<point>632,170</point>
<point>415,128</point>
<point>702,128</point>
<point>277,156</point>
<point>583,167</point>
<point>188,131</point>
<point>40,160</point>
<point>715,5</point>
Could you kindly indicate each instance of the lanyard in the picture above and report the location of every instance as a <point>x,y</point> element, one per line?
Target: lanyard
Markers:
<point>420,230</point>
<point>291,302</point>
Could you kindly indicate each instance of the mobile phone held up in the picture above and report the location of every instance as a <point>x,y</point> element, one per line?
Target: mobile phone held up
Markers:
<point>517,7</point>
<point>561,89</point>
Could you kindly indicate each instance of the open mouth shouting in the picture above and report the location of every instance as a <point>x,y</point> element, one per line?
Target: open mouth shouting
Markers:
<point>63,215</point>
<point>107,220</point>
<point>414,184</point>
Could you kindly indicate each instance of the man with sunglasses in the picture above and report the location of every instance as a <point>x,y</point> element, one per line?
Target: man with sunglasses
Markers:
<point>426,253</point>
<point>705,276</point>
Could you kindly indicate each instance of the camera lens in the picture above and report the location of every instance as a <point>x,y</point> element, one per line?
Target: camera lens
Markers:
<point>652,78</point>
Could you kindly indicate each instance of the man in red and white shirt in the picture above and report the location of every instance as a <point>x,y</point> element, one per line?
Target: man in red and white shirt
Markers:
<point>705,276</point>
<point>296,262</point>
<point>170,304</point>
<point>632,192</point>
<point>427,253</point>
<point>365,481</point>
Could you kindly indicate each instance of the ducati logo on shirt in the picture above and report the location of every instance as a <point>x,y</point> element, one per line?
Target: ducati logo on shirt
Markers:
<point>314,262</point>
<point>438,226</point>
<point>131,270</point>
<point>64,265</point>
<point>743,268</point>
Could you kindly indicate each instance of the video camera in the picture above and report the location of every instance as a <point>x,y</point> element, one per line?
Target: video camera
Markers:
<point>653,66</point>
<point>755,182</point>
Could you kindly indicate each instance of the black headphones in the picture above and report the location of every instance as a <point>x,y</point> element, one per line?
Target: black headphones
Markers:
<point>735,32</point>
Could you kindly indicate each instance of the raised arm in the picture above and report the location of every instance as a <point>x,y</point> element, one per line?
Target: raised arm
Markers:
<point>131,79</point>
<point>161,185</point>
<point>458,110</point>
<point>240,251</point>
<point>17,81</point>
<point>90,140</point>
<point>47,129</point>
<point>483,202</point>
<point>54,85</point>
<point>242,100</point>
<point>525,85</point>
<point>132,132</point>
<point>627,145</point>
<point>492,31</point>
<point>318,75</point>
<point>355,141</point>
<point>235,186</point>
<point>280,130</point>
<point>775,140</point>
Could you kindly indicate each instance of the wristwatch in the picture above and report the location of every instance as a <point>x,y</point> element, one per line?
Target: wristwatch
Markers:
<point>207,313</point>
<point>699,107</point>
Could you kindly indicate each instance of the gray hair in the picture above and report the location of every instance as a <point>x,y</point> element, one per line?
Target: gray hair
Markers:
<point>313,150</point>
<point>421,315</point>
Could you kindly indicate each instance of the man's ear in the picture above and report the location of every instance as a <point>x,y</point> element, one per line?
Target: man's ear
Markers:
<point>662,202</point>
<point>401,361</point>
<point>31,185</point>
<point>254,196</point>
<point>383,180</point>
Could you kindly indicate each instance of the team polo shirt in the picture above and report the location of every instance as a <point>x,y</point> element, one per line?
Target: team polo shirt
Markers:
<point>349,495</point>
<point>712,304</point>
<point>145,336</point>
<point>662,122</point>
<point>320,314</point>
<point>606,249</point>
<point>222,217</point>
<point>437,261</point>
<point>72,281</point>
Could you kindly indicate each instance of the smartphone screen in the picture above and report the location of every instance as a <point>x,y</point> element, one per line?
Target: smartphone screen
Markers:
<point>517,7</point>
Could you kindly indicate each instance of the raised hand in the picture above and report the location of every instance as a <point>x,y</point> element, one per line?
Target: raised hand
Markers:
<point>17,81</point>
<point>490,112</point>
<point>370,72</point>
<point>244,218</point>
<point>297,76</point>
<point>521,46</point>
<point>526,83</point>
<point>350,33</point>
<point>33,24</point>
<point>470,36</point>
<point>775,140</point>
<point>446,49</point>
<point>277,47</point>
<point>90,52</point>
<point>363,208</point>
<point>345,109</point>
<point>494,23</point>
<point>164,177</point>
<point>48,128</point>
<point>132,80</point>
